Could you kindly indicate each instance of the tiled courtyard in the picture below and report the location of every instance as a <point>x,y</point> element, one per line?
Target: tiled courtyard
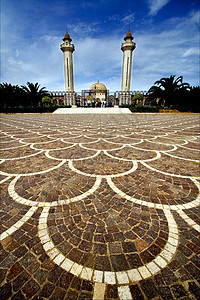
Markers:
<point>99,206</point>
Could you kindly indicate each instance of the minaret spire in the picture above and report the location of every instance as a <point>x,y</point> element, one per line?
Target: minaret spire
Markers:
<point>127,47</point>
<point>68,49</point>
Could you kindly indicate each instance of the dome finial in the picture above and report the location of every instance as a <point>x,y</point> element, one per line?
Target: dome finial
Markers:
<point>128,35</point>
<point>67,36</point>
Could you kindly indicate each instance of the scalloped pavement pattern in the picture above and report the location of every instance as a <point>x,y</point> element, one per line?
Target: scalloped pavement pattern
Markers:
<point>99,206</point>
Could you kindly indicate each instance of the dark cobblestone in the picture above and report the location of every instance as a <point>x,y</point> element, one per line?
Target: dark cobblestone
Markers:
<point>112,224</point>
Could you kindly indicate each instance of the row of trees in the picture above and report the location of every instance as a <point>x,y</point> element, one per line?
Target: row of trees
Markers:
<point>168,92</point>
<point>174,93</point>
<point>26,95</point>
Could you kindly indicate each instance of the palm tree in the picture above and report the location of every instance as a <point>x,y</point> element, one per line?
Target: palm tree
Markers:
<point>35,93</point>
<point>168,89</point>
<point>11,95</point>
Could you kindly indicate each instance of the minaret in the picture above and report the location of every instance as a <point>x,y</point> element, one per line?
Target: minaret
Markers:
<point>68,49</point>
<point>127,49</point>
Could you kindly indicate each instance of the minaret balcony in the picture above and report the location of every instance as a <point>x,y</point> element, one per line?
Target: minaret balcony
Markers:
<point>128,46</point>
<point>67,47</point>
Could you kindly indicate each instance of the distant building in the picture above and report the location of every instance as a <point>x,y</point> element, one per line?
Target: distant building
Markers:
<point>98,91</point>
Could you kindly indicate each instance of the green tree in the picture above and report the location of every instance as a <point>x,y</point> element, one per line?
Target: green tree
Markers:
<point>46,100</point>
<point>168,89</point>
<point>34,93</point>
<point>11,95</point>
<point>138,96</point>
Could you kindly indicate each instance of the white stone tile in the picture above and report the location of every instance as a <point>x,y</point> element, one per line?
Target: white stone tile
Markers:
<point>170,248</point>
<point>122,277</point>
<point>67,264</point>
<point>144,272</point>
<point>99,291</point>
<point>45,239</point>
<point>109,277</point>
<point>42,226</point>
<point>76,269</point>
<point>196,227</point>
<point>18,224</point>
<point>172,241</point>
<point>166,255</point>
<point>52,252</point>
<point>3,235</point>
<point>153,268</point>
<point>42,232</point>
<point>98,276</point>
<point>134,275</point>
<point>59,259</point>
<point>48,246</point>
<point>11,230</point>
<point>86,273</point>
<point>124,293</point>
<point>173,235</point>
<point>160,261</point>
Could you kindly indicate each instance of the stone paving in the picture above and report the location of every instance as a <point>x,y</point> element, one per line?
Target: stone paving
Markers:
<point>99,206</point>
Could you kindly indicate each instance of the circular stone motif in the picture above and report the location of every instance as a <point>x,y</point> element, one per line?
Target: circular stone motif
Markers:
<point>153,187</point>
<point>108,233</point>
<point>57,185</point>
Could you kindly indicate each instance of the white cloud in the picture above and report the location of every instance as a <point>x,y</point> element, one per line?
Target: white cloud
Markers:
<point>83,28</point>
<point>171,51</point>
<point>191,51</point>
<point>156,5</point>
<point>128,19</point>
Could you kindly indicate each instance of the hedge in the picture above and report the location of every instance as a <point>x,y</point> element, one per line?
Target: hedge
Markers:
<point>141,108</point>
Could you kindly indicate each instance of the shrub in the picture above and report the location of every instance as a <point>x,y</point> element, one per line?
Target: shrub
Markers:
<point>141,108</point>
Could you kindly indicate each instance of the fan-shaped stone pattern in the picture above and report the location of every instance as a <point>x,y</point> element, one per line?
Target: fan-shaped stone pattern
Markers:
<point>59,184</point>
<point>61,135</point>
<point>10,144</point>
<point>27,165</point>
<point>176,166</point>
<point>145,135</point>
<point>130,153</point>
<point>25,135</point>
<point>193,213</point>
<point>10,212</point>
<point>108,234</point>
<point>186,153</point>
<point>167,141</point>
<point>17,152</point>
<point>52,145</point>
<point>38,139</point>
<point>2,177</point>
<point>102,165</point>
<point>81,139</point>
<point>101,145</point>
<point>75,152</point>
<point>192,145</point>
<point>154,187</point>
<point>6,139</point>
<point>124,140</point>
<point>153,145</point>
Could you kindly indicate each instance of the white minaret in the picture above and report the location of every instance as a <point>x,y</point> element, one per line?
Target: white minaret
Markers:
<point>127,49</point>
<point>68,49</point>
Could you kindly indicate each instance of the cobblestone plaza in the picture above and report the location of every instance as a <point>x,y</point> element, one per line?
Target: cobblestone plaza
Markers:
<point>99,206</point>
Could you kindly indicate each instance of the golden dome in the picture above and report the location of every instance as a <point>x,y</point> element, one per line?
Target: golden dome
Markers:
<point>128,36</point>
<point>67,37</point>
<point>98,86</point>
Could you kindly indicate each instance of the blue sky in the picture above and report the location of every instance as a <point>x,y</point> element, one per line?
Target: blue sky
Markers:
<point>166,33</point>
